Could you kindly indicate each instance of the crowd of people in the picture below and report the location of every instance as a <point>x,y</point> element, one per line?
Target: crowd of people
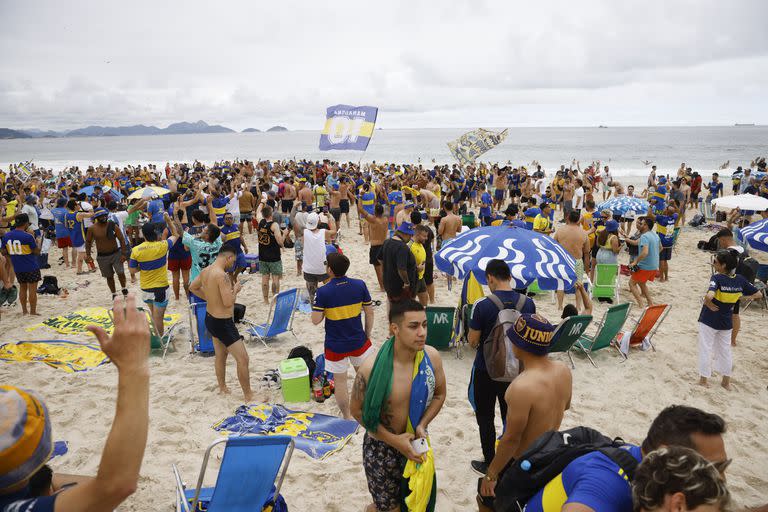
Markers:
<point>195,223</point>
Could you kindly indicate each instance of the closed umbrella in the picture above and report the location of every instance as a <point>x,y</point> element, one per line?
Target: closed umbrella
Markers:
<point>531,256</point>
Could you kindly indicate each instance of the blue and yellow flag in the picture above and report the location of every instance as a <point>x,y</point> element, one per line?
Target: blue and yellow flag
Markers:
<point>467,148</point>
<point>348,127</point>
<point>60,354</point>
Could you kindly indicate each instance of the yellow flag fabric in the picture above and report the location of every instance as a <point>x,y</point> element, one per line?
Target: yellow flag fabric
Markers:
<point>76,322</point>
<point>60,354</point>
<point>420,479</point>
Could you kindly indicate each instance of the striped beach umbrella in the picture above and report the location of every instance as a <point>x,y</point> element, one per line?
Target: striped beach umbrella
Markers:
<point>623,204</point>
<point>756,235</point>
<point>531,256</point>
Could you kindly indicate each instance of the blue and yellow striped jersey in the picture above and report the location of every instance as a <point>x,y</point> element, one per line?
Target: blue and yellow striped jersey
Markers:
<point>728,290</point>
<point>151,258</point>
<point>20,246</point>
<point>342,301</point>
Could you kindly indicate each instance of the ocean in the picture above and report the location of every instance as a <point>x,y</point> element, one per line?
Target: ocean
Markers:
<point>704,149</point>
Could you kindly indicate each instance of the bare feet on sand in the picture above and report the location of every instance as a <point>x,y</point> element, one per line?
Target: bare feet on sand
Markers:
<point>224,391</point>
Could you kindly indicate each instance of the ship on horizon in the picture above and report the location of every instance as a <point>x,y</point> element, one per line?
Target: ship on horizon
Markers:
<point>744,124</point>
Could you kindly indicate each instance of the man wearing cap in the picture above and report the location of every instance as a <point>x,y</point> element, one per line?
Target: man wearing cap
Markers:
<point>542,223</point>
<point>30,208</point>
<point>109,257</point>
<point>26,441</point>
<point>665,227</point>
<point>536,399</point>
<point>398,265</point>
<point>313,266</point>
<point>404,215</point>
<point>646,263</point>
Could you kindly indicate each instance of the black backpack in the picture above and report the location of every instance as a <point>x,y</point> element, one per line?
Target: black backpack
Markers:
<point>747,268</point>
<point>306,354</point>
<point>548,456</point>
<point>697,220</point>
<point>50,286</point>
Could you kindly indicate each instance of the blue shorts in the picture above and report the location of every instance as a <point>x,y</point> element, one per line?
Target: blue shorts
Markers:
<point>156,296</point>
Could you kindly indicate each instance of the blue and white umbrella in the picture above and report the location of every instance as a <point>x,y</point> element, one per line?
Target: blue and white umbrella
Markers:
<point>623,204</point>
<point>756,235</point>
<point>531,256</point>
<point>90,188</point>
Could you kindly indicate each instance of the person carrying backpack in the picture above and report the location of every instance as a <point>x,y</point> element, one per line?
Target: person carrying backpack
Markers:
<point>484,392</point>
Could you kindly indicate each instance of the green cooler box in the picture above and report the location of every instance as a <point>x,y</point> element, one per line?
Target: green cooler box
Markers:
<point>440,326</point>
<point>294,379</point>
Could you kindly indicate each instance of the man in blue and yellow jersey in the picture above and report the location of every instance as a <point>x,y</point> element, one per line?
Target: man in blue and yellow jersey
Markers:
<point>20,245</point>
<point>340,302</point>
<point>150,260</point>
<point>665,228</point>
<point>368,203</point>
<point>542,223</point>
<point>230,235</point>
<point>74,222</point>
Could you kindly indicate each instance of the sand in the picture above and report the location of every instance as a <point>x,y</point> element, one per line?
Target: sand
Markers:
<point>618,398</point>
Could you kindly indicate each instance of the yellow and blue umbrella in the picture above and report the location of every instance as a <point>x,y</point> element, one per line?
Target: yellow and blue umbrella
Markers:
<point>148,192</point>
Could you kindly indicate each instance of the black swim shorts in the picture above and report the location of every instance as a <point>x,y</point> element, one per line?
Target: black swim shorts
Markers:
<point>373,254</point>
<point>223,329</point>
<point>286,205</point>
<point>344,205</point>
<point>383,470</point>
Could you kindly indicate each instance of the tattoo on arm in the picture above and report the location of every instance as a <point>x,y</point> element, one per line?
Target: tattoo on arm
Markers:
<point>358,389</point>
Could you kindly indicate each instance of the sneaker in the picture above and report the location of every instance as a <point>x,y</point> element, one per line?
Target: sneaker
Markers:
<point>479,467</point>
<point>13,294</point>
<point>4,296</point>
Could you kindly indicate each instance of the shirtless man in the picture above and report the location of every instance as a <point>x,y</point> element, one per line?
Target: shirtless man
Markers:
<point>289,196</point>
<point>106,234</point>
<point>576,241</point>
<point>214,286</point>
<point>377,225</point>
<point>334,206</point>
<point>568,192</point>
<point>305,193</point>
<point>387,442</point>
<point>500,182</point>
<point>536,399</point>
<point>430,202</point>
<point>449,227</point>
<point>345,196</point>
<point>404,215</point>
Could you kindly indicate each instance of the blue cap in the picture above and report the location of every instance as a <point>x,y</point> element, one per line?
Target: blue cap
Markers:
<point>408,204</point>
<point>612,226</point>
<point>405,228</point>
<point>662,180</point>
<point>31,198</point>
<point>100,212</point>
<point>532,333</point>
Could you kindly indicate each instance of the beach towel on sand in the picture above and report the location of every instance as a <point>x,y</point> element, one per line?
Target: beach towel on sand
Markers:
<point>76,323</point>
<point>419,485</point>
<point>317,435</point>
<point>65,355</point>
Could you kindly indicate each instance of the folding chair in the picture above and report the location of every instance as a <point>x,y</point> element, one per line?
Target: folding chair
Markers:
<point>763,300</point>
<point>606,285</point>
<point>568,333</point>
<point>440,326</point>
<point>156,342</point>
<point>535,289</point>
<point>279,317</point>
<point>249,477</point>
<point>200,339</point>
<point>608,328</point>
<point>647,325</point>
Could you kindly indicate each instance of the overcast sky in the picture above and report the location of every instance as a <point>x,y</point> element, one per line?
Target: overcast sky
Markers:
<point>67,64</point>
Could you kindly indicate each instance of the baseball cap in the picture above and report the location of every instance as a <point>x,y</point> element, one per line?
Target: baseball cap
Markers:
<point>405,228</point>
<point>25,435</point>
<point>408,204</point>
<point>611,226</point>
<point>312,220</point>
<point>662,179</point>
<point>31,198</point>
<point>532,333</point>
<point>100,212</point>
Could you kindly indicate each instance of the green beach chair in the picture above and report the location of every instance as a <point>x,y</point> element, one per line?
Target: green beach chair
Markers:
<point>608,328</point>
<point>156,342</point>
<point>606,285</point>
<point>568,333</point>
<point>440,326</point>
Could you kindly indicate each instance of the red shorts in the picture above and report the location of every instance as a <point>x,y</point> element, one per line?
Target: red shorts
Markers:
<point>64,242</point>
<point>175,264</point>
<point>643,276</point>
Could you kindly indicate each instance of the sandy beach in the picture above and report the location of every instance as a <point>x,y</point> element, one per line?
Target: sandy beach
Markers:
<point>618,398</point>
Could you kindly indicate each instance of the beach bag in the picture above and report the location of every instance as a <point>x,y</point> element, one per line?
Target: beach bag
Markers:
<point>50,286</point>
<point>697,220</point>
<point>500,361</point>
<point>710,245</point>
<point>548,456</point>
<point>238,312</point>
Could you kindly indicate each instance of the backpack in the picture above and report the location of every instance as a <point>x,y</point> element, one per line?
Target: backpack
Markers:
<point>500,361</point>
<point>306,354</point>
<point>697,220</point>
<point>747,268</point>
<point>548,456</point>
<point>710,245</point>
<point>50,286</point>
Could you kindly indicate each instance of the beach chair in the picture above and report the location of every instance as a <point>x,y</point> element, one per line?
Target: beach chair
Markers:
<point>279,317</point>
<point>607,330</point>
<point>647,325</point>
<point>536,290</point>
<point>568,333</point>
<point>200,339</point>
<point>249,477</point>
<point>606,285</point>
<point>156,342</point>
<point>440,326</point>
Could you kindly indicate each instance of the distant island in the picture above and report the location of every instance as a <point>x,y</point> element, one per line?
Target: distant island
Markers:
<point>251,130</point>
<point>278,129</point>
<point>182,128</point>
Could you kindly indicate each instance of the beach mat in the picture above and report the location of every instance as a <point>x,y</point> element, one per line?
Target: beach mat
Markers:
<point>60,354</point>
<point>76,323</point>
<point>317,435</point>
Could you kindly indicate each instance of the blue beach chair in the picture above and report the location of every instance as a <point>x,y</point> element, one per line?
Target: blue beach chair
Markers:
<point>249,477</point>
<point>200,339</point>
<point>279,317</point>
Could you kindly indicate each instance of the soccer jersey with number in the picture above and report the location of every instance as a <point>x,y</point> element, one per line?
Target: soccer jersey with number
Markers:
<point>20,246</point>
<point>151,258</point>
<point>203,253</point>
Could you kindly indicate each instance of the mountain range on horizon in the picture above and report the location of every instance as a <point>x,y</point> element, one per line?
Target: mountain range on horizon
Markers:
<point>182,128</point>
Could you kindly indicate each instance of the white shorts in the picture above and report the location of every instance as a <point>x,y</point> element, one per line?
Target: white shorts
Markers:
<point>80,248</point>
<point>342,365</point>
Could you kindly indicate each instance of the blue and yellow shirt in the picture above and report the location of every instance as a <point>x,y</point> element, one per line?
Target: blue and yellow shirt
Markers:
<point>76,229</point>
<point>219,208</point>
<point>530,215</point>
<point>151,258</point>
<point>486,201</point>
<point>368,202</point>
<point>231,236</point>
<point>728,290</point>
<point>593,480</point>
<point>665,228</point>
<point>20,246</point>
<point>342,301</point>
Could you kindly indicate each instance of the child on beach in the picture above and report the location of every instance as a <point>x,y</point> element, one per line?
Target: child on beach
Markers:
<point>715,319</point>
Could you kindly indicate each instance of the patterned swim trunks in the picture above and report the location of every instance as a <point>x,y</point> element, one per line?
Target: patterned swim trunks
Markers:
<point>383,471</point>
